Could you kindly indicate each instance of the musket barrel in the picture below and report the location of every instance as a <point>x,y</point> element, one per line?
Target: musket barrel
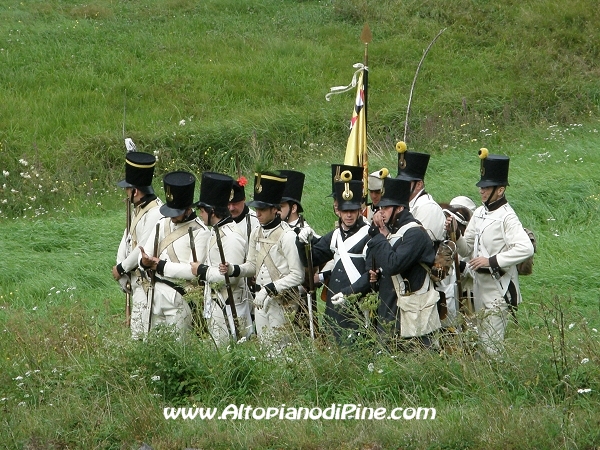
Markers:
<point>230,299</point>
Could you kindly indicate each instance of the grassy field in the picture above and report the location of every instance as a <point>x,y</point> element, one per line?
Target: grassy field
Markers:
<point>205,81</point>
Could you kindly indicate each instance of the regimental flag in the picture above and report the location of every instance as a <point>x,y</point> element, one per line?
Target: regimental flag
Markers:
<point>356,148</point>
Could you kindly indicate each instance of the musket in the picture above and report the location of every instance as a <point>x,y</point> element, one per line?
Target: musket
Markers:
<point>128,203</point>
<point>311,289</point>
<point>463,303</point>
<point>192,244</point>
<point>128,284</point>
<point>153,278</point>
<point>230,300</point>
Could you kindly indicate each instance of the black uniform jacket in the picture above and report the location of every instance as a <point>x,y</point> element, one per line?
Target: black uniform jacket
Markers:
<point>403,258</point>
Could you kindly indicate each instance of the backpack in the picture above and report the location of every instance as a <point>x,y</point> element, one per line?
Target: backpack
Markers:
<point>526,267</point>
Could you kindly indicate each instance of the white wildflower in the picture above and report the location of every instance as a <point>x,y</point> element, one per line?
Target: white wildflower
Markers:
<point>584,391</point>
<point>18,378</point>
<point>5,173</point>
<point>182,122</point>
<point>155,378</point>
<point>585,361</point>
<point>371,367</point>
<point>23,162</point>
<point>571,326</point>
<point>21,404</point>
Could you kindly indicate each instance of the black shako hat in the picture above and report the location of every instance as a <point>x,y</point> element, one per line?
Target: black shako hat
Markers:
<point>139,170</point>
<point>268,189</point>
<point>293,187</point>
<point>179,193</point>
<point>493,169</point>
<point>336,173</point>
<point>239,194</point>
<point>216,190</point>
<point>348,195</point>
<point>415,166</point>
<point>395,192</point>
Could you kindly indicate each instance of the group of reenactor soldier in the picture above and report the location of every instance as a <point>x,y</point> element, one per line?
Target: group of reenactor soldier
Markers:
<point>259,269</point>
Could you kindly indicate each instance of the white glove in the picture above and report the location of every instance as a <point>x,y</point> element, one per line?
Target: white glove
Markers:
<point>305,235</point>
<point>261,299</point>
<point>338,299</point>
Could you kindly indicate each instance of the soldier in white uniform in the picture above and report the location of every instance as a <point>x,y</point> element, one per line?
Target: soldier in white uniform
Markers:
<point>291,212</point>
<point>495,242</point>
<point>246,221</point>
<point>215,193</point>
<point>139,170</point>
<point>244,218</point>
<point>171,260</point>
<point>272,258</point>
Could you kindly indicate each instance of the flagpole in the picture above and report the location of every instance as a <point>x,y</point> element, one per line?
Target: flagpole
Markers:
<point>365,37</point>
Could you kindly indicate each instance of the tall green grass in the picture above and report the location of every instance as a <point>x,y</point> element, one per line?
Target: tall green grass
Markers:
<point>248,80</point>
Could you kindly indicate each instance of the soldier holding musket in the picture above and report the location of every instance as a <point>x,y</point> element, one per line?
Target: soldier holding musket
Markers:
<point>272,258</point>
<point>344,245</point>
<point>215,193</point>
<point>139,170</point>
<point>495,243</point>
<point>170,261</point>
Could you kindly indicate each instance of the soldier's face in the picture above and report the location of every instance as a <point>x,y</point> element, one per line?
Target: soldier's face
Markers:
<point>285,209</point>
<point>204,215</point>
<point>236,208</point>
<point>486,193</point>
<point>350,217</point>
<point>266,215</point>
<point>375,197</point>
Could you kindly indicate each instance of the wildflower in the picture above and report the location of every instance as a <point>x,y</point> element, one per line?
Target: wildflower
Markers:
<point>21,404</point>
<point>182,122</point>
<point>155,378</point>
<point>571,326</point>
<point>18,378</point>
<point>23,162</point>
<point>371,367</point>
<point>584,391</point>
<point>5,173</point>
<point>585,361</point>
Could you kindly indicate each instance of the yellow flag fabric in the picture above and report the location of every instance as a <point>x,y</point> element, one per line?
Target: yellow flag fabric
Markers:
<point>356,148</point>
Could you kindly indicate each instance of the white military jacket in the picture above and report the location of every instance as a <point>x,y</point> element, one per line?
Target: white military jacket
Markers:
<point>174,247</point>
<point>427,211</point>
<point>283,253</point>
<point>234,249</point>
<point>143,221</point>
<point>497,234</point>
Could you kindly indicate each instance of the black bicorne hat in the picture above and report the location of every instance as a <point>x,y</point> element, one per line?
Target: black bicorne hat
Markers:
<point>215,190</point>
<point>179,193</point>
<point>268,189</point>
<point>336,172</point>
<point>493,169</point>
<point>293,187</point>
<point>139,170</point>
<point>414,166</point>
<point>348,195</point>
<point>395,192</point>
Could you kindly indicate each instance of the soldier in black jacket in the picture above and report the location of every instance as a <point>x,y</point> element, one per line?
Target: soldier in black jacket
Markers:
<point>346,246</point>
<point>403,252</point>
